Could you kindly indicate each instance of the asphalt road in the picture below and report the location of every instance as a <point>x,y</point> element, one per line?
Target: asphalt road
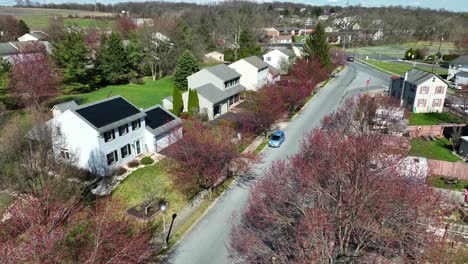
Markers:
<point>206,241</point>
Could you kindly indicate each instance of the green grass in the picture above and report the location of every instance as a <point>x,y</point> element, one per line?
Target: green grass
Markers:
<point>5,201</point>
<point>438,182</point>
<point>440,149</point>
<point>398,50</point>
<point>89,22</point>
<point>401,68</point>
<point>146,95</point>
<point>132,190</point>
<point>422,119</point>
<point>261,146</point>
<point>300,39</point>
<point>38,18</point>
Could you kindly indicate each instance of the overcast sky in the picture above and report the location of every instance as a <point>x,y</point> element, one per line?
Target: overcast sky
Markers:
<point>453,5</point>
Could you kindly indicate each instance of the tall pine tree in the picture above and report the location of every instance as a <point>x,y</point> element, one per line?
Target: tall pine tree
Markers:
<point>72,56</point>
<point>186,66</point>
<point>177,102</point>
<point>316,46</point>
<point>112,60</point>
<point>23,27</point>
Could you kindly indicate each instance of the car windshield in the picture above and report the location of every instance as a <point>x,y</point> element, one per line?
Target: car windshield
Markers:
<point>275,137</point>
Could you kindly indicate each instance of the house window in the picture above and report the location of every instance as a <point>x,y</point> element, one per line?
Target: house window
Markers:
<point>109,135</point>
<point>58,130</point>
<point>439,89</point>
<point>268,58</point>
<point>421,102</point>
<point>424,89</point>
<point>112,157</point>
<point>125,151</point>
<point>65,154</point>
<point>136,124</point>
<point>436,102</point>
<point>123,130</point>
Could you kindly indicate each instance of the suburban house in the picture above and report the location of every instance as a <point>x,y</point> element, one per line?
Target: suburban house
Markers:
<point>458,66</point>
<point>279,57</point>
<point>423,91</point>
<point>10,49</point>
<point>109,133</point>
<point>282,39</point>
<point>139,22</point>
<point>214,56</point>
<point>33,36</point>
<point>291,31</point>
<point>271,32</point>
<point>306,30</point>
<point>253,71</point>
<point>461,78</point>
<point>218,89</point>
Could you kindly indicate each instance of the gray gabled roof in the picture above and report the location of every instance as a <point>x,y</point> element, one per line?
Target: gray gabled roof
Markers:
<point>286,52</point>
<point>165,120</point>
<point>462,60</point>
<point>223,72</point>
<point>462,74</point>
<point>417,77</point>
<point>256,62</point>
<point>216,95</point>
<point>66,106</point>
<point>39,35</point>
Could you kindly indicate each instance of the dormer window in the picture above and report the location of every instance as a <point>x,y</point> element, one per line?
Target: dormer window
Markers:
<point>109,135</point>
<point>231,83</point>
<point>123,130</point>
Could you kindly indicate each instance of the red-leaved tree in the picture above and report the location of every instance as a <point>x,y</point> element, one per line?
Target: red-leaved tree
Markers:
<point>261,109</point>
<point>125,25</point>
<point>33,76</point>
<point>339,200</point>
<point>207,154</point>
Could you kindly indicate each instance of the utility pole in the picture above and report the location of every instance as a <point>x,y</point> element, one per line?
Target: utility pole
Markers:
<point>438,52</point>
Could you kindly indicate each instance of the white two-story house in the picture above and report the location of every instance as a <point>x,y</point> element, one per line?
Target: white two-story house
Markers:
<point>458,70</point>
<point>254,72</point>
<point>109,133</point>
<point>218,88</point>
<point>279,58</point>
<point>424,92</point>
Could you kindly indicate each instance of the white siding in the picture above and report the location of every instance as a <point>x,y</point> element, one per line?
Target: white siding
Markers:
<point>167,139</point>
<point>80,139</point>
<point>275,58</point>
<point>249,76</point>
<point>167,104</point>
<point>430,97</point>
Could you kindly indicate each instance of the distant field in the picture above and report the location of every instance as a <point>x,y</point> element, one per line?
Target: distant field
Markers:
<point>38,18</point>
<point>398,50</point>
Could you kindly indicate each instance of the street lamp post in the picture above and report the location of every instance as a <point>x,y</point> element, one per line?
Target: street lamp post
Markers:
<point>438,52</point>
<point>163,207</point>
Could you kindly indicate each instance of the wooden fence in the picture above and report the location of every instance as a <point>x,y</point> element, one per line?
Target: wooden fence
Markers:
<point>446,168</point>
<point>434,130</point>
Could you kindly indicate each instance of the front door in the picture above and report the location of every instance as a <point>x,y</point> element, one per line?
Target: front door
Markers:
<point>137,145</point>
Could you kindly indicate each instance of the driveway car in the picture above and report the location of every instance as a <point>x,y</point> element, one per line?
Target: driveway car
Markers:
<point>276,139</point>
<point>350,58</point>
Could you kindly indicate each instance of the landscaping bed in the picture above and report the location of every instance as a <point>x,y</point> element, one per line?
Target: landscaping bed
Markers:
<point>424,119</point>
<point>439,149</point>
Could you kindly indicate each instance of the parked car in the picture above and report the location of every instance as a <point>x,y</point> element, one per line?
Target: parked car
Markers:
<point>454,86</point>
<point>276,139</point>
<point>350,58</point>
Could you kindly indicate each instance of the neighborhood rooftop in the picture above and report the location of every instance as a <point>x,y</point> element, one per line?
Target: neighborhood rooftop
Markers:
<point>462,60</point>
<point>286,52</point>
<point>223,72</point>
<point>216,95</point>
<point>107,112</point>
<point>256,62</point>
<point>159,120</point>
<point>416,76</point>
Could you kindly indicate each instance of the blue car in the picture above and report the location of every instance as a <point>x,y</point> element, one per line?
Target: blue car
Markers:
<point>276,139</point>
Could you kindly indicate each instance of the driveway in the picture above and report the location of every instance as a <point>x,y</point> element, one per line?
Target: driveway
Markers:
<point>206,242</point>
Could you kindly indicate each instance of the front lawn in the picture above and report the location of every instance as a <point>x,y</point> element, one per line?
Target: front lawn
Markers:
<point>132,190</point>
<point>146,95</point>
<point>423,119</point>
<point>401,68</point>
<point>438,182</point>
<point>440,149</point>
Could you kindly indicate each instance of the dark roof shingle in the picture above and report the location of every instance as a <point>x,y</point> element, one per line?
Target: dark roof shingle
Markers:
<point>159,120</point>
<point>216,95</point>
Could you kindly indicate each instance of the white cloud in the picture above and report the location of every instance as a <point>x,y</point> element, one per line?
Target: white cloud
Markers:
<point>334,1</point>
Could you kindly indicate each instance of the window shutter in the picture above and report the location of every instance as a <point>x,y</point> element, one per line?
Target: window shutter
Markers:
<point>425,102</point>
